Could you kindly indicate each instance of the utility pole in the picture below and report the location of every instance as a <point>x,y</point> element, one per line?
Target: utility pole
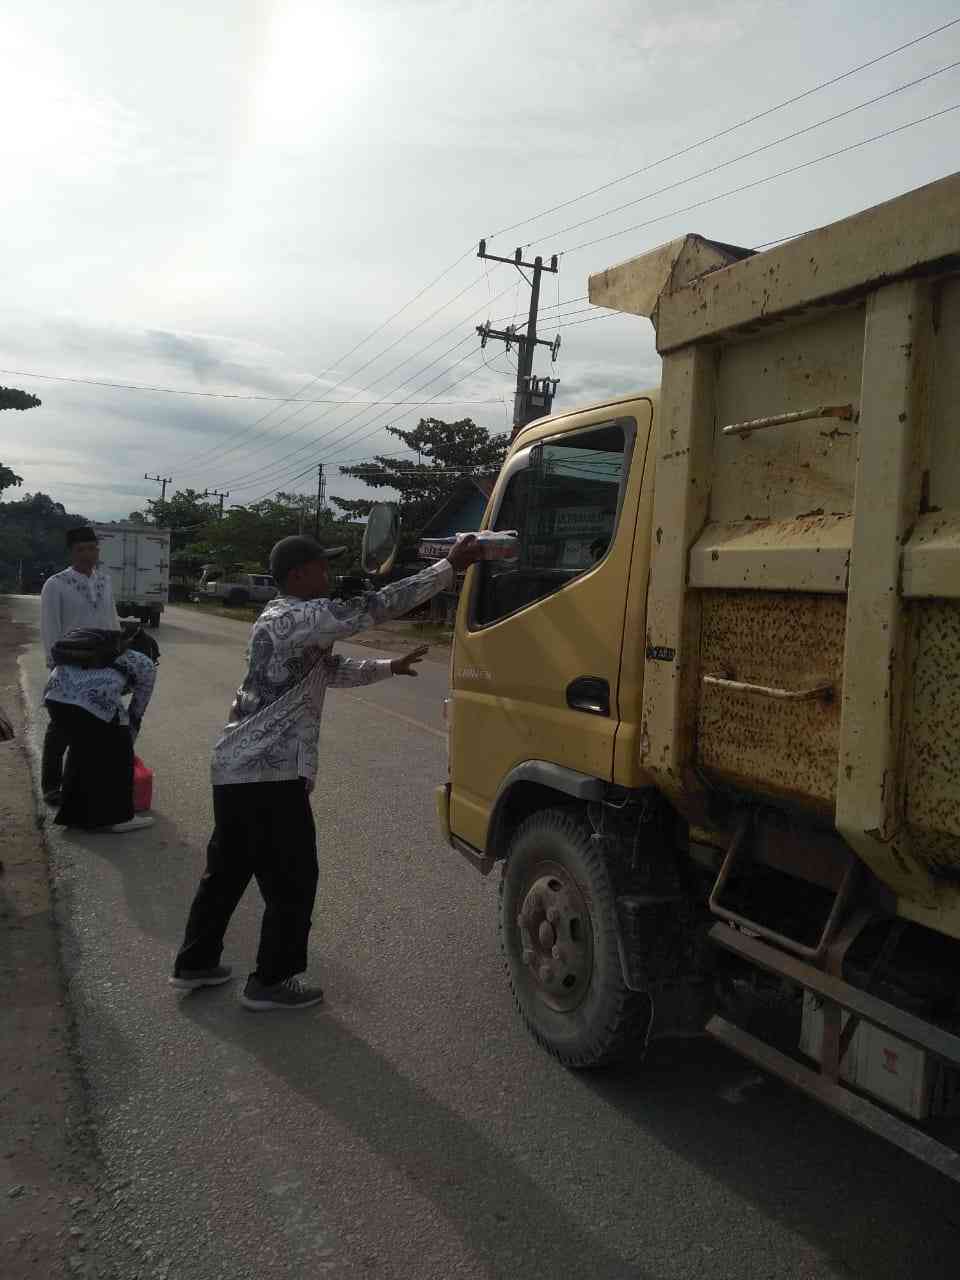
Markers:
<point>534,396</point>
<point>162,481</point>
<point>215,493</point>
<point>321,498</point>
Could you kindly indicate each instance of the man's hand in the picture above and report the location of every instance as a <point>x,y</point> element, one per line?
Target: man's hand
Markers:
<point>466,552</point>
<point>405,666</point>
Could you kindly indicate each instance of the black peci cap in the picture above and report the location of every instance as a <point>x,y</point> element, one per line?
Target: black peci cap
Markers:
<point>83,533</point>
<point>290,553</point>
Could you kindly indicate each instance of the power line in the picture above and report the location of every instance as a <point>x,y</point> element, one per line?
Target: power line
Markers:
<point>755,151</point>
<point>549,318</point>
<point>323,435</point>
<point>378,355</point>
<point>741,124</point>
<point>375,431</point>
<point>782,173</point>
<point>385,426</point>
<point>313,421</point>
<point>190,459</point>
<point>551,306</point>
<point>382,426</point>
<point>311,444</point>
<point>222,395</point>
<point>605,315</point>
<point>558,321</point>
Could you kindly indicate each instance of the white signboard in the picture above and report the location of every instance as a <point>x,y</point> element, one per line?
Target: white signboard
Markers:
<point>582,520</point>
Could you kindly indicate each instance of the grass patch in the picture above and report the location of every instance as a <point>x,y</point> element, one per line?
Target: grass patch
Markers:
<point>238,612</point>
<point>431,632</point>
<point>404,630</point>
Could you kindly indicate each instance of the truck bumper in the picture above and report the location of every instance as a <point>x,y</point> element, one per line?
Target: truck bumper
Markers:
<point>479,861</point>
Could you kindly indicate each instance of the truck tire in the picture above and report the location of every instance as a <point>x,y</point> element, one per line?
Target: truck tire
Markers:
<point>558,937</point>
<point>237,596</point>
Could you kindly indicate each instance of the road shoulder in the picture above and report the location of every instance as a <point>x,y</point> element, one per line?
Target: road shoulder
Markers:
<point>48,1168</point>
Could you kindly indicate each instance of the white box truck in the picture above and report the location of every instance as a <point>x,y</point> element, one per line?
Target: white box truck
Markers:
<point>138,560</point>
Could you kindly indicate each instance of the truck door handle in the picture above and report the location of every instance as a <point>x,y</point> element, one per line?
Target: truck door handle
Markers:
<point>590,694</point>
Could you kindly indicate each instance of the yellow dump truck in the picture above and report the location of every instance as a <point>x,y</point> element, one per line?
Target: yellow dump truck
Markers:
<point>708,719</point>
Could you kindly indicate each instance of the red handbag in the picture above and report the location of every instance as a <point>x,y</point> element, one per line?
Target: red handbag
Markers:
<point>142,786</point>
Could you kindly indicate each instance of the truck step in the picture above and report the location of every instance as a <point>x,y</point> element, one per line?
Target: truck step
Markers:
<point>836,1096</point>
<point>738,858</point>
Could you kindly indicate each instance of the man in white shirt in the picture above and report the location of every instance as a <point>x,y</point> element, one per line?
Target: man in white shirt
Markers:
<point>265,763</point>
<point>79,596</point>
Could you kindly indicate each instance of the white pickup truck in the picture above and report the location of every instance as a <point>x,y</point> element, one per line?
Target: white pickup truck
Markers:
<point>217,583</point>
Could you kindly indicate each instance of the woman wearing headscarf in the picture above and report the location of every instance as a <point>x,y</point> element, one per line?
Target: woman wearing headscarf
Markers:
<point>94,672</point>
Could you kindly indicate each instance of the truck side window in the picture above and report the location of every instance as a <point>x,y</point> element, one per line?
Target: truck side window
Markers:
<point>564,504</point>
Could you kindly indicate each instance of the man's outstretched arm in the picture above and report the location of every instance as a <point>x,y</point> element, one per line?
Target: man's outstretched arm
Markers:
<point>340,619</point>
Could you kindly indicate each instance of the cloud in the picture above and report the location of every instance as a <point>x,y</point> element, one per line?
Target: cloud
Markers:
<point>254,216</point>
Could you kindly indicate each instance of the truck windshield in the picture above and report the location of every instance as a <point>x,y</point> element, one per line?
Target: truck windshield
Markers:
<point>563,501</point>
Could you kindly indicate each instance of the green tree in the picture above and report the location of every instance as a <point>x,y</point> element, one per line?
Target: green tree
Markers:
<point>32,532</point>
<point>187,514</point>
<point>245,535</point>
<point>13,398</point>
<point>446,451</point>
<point>8,479</point>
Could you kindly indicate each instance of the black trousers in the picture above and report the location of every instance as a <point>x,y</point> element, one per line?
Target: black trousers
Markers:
<point>51,766</point>
<point>263,830</point>
<point>98,776</point>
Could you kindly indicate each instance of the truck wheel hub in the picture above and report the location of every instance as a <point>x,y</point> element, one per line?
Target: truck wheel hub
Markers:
<point>556,938</point>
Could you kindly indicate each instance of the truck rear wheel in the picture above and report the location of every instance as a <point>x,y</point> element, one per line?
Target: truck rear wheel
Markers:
<point>237,596</point>
<point>558,936</point>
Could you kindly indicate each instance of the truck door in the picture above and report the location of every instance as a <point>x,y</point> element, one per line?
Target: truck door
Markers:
<point>152,567</point>
<point>538,643</point>
<point>111,557</point>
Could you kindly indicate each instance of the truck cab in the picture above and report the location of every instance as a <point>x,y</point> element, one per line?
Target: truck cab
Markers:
<point>540,668</point>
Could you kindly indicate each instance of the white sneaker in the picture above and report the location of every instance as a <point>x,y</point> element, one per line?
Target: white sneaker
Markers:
<point>136,823</point>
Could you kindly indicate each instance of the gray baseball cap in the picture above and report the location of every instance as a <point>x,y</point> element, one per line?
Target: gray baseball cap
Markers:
<point>290,553</point>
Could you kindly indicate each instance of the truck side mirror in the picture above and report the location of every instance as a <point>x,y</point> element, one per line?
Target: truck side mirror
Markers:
<point>381,538</point>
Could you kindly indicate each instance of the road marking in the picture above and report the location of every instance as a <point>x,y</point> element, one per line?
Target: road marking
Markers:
<point>398,715</point>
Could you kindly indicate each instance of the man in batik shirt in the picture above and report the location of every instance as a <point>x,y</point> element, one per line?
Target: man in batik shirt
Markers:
<point>265,762</point>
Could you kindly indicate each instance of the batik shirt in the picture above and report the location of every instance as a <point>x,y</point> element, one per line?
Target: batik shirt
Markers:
<point>100,690</point>
<point>274,727</point>
<point>71,599</point>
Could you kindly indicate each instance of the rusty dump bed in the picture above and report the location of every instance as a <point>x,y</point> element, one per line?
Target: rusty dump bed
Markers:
<point>804,605</point>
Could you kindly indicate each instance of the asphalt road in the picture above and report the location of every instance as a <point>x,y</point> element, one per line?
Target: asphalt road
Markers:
<point>410,1129</point>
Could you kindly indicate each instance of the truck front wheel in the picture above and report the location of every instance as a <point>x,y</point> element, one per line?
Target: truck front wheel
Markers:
<point>558,936</point>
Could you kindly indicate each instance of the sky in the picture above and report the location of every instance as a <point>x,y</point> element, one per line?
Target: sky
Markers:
<point>261,200</point>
